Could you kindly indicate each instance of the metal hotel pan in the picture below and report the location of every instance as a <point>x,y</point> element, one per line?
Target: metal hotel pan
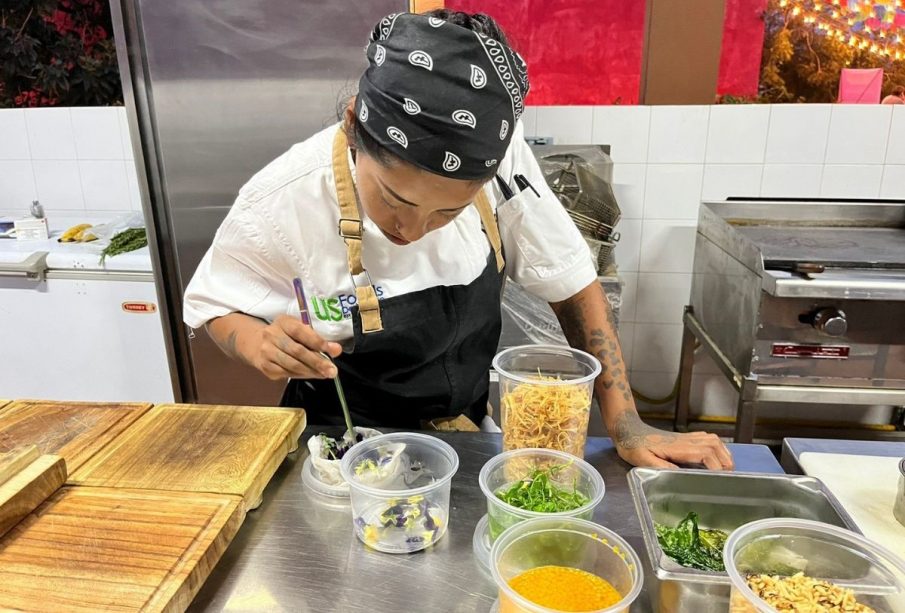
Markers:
<point>724,501</point>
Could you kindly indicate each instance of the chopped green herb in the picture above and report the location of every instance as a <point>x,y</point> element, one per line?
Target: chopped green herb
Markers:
<point>124,242</point>
<point>537,493</point>
<point>692,546</point>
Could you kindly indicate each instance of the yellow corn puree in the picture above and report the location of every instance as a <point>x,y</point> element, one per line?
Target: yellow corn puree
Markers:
<point>562,589</point>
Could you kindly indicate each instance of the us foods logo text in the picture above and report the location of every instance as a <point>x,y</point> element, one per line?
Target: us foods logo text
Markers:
<point>340,307</point>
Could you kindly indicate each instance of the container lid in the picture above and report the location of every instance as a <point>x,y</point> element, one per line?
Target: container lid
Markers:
<point>309,478</point>
<point>480,544</point>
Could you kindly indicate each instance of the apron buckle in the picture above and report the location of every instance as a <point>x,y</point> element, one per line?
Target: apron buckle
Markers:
<point>350,228</point>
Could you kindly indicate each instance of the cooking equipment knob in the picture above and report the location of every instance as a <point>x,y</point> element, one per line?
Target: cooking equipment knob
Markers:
<point>831,321</point>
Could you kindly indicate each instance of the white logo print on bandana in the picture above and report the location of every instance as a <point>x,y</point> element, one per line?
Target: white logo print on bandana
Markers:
<point>363,113</point>
<point>380,54</point>
<point>435,22</point>
<point>411,107</point>
<point>465,118</point>
<point>399,136</point>
<point>504,129</point>
<point>489,163</point>
<point>478,77</point>
<point>452,162</point>
<point>420,58</point>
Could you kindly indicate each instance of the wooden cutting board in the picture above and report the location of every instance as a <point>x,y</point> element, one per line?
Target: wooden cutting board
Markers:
<point>198,448</point>
<point>867,487</point>
<point>73,430</point>
<point>97,549</point>
<point>26,480</point>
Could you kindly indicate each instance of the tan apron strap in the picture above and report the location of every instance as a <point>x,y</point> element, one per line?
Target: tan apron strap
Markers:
<point>490,227</point>
<point>350,229</point>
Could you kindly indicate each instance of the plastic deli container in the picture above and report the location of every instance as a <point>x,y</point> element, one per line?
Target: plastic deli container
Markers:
<point>399,490</point>
<point>545,396</point>
<point>565,472</point>
<point>568,542</point>
<point>782,548</point>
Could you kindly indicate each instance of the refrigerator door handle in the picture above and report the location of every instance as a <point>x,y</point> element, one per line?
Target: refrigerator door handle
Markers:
<point>33,267</point>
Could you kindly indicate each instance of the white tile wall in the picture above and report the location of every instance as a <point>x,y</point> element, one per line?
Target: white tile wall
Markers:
<point>17,183</point>
<point>678,134</point>
<point>724,180</point>
<point>851,181</point>
<point>798,133</point>
<point>667,159</point>
<point>662,297</point>
<point>629,296</point>
<point>14,143</point>
<point>656,348</point>
<point>673,191</point>
<point>792,180</point>
<point>737,134</point>
<point>628,248</point>
<point>71,159</point>
<point>626,129</point>
<point>893,185</point>
<point>568,125</point>
<point>59,185</point>
<point>97,134</point>
<point>628,185</point>
<point>667,245</point>
<point>858,133</point>
<point>895,152</point>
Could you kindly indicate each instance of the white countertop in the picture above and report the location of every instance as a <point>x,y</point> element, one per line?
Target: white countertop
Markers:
<point>69,256</point>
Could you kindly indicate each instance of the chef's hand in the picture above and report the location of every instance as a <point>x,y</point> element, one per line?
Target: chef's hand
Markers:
<point>287,348</point>
<point>643,445</point>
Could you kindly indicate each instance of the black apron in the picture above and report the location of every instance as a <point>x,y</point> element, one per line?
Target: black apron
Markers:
<point>430,360</point>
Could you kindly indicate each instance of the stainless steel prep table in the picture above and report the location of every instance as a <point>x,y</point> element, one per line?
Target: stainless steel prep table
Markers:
<point>296,554</point>
<point>792,448</point>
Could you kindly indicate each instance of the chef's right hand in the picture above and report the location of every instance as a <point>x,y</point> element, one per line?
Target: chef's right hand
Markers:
<point>287,348</point>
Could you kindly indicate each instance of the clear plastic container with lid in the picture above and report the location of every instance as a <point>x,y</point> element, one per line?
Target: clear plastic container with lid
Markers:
<point>563,471</point>
<point>399,487</point>
<point>566,542</point>
<point>767,555</point>
<point>545,396</point>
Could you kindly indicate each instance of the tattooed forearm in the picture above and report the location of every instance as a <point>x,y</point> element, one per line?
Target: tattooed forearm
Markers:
<point>224,331</point>
<point>588,323</point>
<point>629,432</point>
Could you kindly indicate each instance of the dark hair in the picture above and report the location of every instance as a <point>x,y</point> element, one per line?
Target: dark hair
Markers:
<point>898,90</point>
<point>476,22</point>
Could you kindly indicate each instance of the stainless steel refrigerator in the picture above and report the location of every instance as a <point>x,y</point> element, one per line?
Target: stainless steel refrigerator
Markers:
<point>214,90</point>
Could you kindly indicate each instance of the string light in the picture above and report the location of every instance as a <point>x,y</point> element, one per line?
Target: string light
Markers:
<point>847,23</point>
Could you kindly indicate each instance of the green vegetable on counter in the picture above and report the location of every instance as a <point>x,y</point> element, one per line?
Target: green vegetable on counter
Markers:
<point>692,546</point>
<point>124,242</point>
<point>536,493</point>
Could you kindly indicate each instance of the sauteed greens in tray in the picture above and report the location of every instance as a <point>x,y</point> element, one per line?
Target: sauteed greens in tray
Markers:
<point>692,546</point>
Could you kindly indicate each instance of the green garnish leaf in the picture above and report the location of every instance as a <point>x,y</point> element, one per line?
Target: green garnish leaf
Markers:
<point>692,546</point>
<point>537,493</point>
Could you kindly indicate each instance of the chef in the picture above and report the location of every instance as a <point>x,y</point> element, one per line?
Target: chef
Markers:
<point>402,222</point>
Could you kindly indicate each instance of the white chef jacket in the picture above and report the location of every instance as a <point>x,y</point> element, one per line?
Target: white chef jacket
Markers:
<point>283,225</point>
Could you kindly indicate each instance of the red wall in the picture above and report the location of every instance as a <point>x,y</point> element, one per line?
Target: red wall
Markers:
<point>590,51</point>
<point>743,42</point>
<point>578,51</point>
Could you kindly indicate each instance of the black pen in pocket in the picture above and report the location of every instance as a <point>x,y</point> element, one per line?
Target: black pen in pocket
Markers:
<point>504,187</point>
<point>524,184</point>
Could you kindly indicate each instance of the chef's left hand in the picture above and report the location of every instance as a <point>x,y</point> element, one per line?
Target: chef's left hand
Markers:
<point>643,445</point>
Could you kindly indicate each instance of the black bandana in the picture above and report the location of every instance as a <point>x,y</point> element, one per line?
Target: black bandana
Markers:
<point>440,96</point>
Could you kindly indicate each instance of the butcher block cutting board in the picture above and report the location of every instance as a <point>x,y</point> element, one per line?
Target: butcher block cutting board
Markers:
<point>198,448</point>
<point>97,549</point>
<point>73,430</point>
<point>26,480</point>
<point>867,487</point>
